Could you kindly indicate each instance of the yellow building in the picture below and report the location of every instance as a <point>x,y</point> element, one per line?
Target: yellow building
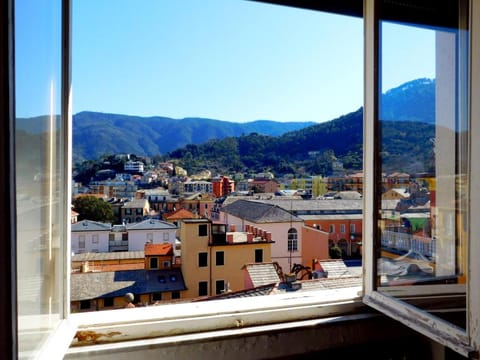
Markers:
<point>213,258</point>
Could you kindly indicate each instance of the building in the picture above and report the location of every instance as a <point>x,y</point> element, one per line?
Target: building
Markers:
<point>150,231</point>
<point>264,186</point>
<point>198,186</point>
<point>285,228</point>
<point>200,204</point>
<point>213,258</point>
<point>135,210</point>
<point>148,286</point>
<point>222,186</point>
<point>110,261</point>
<point>90,236</point>
<point>136,167</point>
<point>117,188</point>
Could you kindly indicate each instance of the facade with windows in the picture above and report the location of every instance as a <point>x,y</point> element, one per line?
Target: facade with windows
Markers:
<point>285,228</point>
<point>135,210</point>
<point>90,236</point>
<point>213,259</point>
<point>150,231</point>
<point>134,166</point>
<point>198,186</point>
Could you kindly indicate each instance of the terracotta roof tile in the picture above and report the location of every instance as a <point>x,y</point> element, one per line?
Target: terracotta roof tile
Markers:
<point>158,249</point>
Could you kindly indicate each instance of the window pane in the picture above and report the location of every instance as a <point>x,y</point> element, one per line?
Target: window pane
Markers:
<point>39,171</point>
<point>423,233</point>
<point>219,258</point>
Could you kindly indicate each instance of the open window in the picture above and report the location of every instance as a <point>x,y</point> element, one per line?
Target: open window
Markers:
<point>429,282</point>
<point>420,255</point>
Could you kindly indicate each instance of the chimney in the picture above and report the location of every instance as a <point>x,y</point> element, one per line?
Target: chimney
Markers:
<point>232,228</point>
<point>249,237</point>
<point>229,238</point>
<point>268,236</point>
<point>247,228</point>
<point>85,267</point>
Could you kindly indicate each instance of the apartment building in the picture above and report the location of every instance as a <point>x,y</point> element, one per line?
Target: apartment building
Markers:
<point>213,258</point>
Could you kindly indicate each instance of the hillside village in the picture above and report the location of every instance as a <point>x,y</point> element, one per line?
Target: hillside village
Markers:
<point>180,238</point>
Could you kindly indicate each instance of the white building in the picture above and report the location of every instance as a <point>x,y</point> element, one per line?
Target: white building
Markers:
<point>90,236</point>
<point>198,186</point>
<point>134,166</point>
<point>150,231</point>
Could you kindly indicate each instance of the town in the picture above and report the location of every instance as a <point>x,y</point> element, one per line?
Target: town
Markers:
<point>175,237</point>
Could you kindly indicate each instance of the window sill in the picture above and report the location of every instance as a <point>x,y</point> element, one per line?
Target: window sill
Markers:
<point>210,319</point>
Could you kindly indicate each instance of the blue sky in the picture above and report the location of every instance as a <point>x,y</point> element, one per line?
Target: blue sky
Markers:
<point>231,60</point>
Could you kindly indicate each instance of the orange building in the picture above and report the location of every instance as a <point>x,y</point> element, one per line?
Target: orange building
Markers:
<point>213,259</point>
<point>223,185</point>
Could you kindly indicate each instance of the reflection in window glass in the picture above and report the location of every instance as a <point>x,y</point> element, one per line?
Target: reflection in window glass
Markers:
<point>423,232</point>
<point>39,171</point>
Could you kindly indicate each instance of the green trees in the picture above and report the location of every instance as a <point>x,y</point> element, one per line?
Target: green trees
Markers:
<point>92,208</point>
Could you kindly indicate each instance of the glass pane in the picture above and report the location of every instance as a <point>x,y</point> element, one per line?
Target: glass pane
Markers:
<point>39,149</point>
<point>422,155</point>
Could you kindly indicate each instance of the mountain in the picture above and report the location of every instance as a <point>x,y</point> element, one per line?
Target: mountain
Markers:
<point>96,134</point>
<point>407,126</point>
<point>406,147</point>
<point>407,110</point>
<point>411,101</point>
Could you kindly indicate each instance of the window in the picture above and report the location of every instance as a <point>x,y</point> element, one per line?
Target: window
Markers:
<point>219,258</point>
<point>94,239</point>
<point>157,296</point>
<point>124,236</point>
<point>203,288</point>
<point>202,259</point>
<point>81,241</point>
<point>219,287</point>
<point>166,264</point>
<point>203,230</point>
<point>108,302</point>
<point>442,174</point>
<point>166,236</point>
<point>258,255</point>
<point>85,305</point>
<point>153,263</point>
<point>149,237</point>
<point>342,228</point>
<point>136,298</point>
<point>331,228</point>
<point>352,228</point>
<point>292,240</point>
<point>378,287</point>
<point>175,295</point>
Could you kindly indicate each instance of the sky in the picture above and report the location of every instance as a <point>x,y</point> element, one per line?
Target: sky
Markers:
<point>232,60</point>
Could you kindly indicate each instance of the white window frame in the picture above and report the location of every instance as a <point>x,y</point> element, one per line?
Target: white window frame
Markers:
<point>464,341</point>
<point>276,309</point>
